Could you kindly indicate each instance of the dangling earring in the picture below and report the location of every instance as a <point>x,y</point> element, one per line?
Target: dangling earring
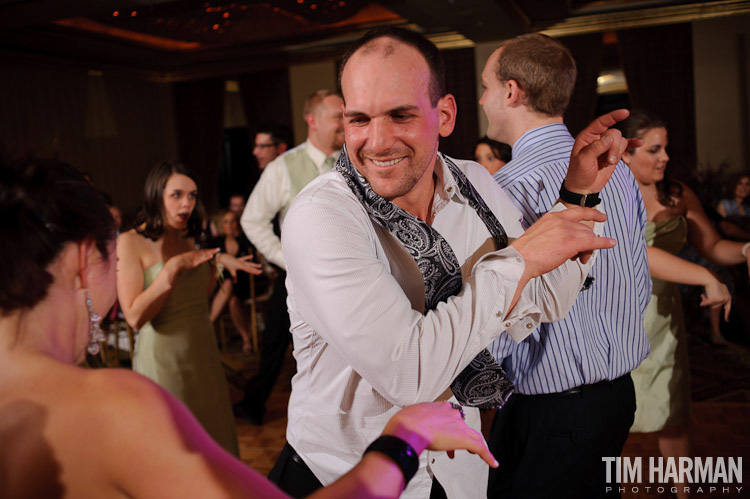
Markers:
<point>96,331</point>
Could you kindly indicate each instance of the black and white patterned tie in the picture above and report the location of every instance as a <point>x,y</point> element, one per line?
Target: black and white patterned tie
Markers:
<point>483,383</point>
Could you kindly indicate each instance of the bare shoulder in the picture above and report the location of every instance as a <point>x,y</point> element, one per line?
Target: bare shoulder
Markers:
<point>132,247</point>
<point>126,396</point>
<point>132,240</point>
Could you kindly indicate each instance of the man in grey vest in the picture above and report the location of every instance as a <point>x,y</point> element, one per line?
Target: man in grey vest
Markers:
<point>282,179</point>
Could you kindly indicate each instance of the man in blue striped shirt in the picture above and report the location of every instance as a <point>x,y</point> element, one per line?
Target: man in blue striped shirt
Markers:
<point>574,400</point>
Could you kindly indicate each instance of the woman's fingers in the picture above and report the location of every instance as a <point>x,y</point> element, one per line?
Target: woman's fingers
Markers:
<point>252,268</point>
<point>194,258</point>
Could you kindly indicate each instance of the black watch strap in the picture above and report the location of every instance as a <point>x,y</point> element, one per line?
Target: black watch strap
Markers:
<point>587,200</point>
<point>399,451</point>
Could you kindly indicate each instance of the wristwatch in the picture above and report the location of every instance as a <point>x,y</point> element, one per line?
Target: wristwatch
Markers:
<point>586,200</point>
<point>403,454</point>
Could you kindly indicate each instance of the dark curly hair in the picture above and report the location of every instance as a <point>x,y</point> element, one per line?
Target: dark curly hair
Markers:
<point>150,219</point>
<point>44,204</point>
<point>636,125</point>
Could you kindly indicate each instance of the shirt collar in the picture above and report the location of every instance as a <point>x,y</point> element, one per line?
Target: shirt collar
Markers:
<point>317,155</point>
<point>529,143</point>
<point>445,185</point>
<point>536,136</point>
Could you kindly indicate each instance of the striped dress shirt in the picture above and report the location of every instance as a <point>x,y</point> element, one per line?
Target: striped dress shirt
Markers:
<point>602,337</point>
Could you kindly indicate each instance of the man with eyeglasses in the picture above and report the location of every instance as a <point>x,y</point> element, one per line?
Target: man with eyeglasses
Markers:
<point>271,140</point>
<point>282,179</point>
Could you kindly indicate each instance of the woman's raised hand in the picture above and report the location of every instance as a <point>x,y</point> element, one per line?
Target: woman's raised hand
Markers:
<point>244,264</point>
<point>190,259</point>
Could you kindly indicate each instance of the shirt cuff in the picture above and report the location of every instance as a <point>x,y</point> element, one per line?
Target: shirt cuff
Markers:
<point>509,265</point>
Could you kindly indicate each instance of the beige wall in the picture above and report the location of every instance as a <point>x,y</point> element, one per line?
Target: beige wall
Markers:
<point>721,121</point>
<point>304,79</point>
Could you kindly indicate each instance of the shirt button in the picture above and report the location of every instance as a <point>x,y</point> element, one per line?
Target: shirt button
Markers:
<point>507,324</point>
<point>499,314</point>
<point>449,189</point>
<point>518,259</point>
<point>529,325</point>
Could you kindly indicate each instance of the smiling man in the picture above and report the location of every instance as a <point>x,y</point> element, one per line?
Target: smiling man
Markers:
<point>404,264</point>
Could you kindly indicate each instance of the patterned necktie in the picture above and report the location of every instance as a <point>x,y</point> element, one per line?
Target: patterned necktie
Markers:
<point>483,383</point>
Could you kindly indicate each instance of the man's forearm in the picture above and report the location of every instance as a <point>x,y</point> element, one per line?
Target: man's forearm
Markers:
<point>261,235</point>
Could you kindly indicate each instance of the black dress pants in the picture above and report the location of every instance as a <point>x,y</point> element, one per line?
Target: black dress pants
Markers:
<point>552,445</point>
<point>292,475</point>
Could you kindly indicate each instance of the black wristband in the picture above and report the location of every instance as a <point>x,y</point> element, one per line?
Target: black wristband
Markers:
<point>587,200</point>
<point>403,454</point>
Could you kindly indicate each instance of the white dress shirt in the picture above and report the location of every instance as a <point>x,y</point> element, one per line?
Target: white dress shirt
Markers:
<point>362,344</point>
<point>270,195</point>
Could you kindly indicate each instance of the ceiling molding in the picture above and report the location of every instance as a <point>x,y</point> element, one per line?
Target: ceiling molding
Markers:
<point>596,23</point>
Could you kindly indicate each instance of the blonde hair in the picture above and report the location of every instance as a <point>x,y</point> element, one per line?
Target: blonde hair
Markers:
<point>312,102</point>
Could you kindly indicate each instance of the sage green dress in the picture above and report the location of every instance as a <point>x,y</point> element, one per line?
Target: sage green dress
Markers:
<point>662,383</point>
<point>177,349</point>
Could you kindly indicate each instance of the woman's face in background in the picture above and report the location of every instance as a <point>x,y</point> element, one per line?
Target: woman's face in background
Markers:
<point>229,224</point>
<point>180,195</point>
<point>742,189</point>
<point>485,156</point>
<point>649,162</point>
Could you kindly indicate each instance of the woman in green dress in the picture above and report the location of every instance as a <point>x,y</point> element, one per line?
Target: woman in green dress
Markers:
<point>675,216</point>
<point>163,283</point>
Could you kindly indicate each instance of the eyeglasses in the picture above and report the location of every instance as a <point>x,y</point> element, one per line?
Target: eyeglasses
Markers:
<point>271,144</point>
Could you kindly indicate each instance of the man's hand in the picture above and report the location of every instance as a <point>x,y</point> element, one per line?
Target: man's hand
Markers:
<point>560,236</point>
<point>597,149</point>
